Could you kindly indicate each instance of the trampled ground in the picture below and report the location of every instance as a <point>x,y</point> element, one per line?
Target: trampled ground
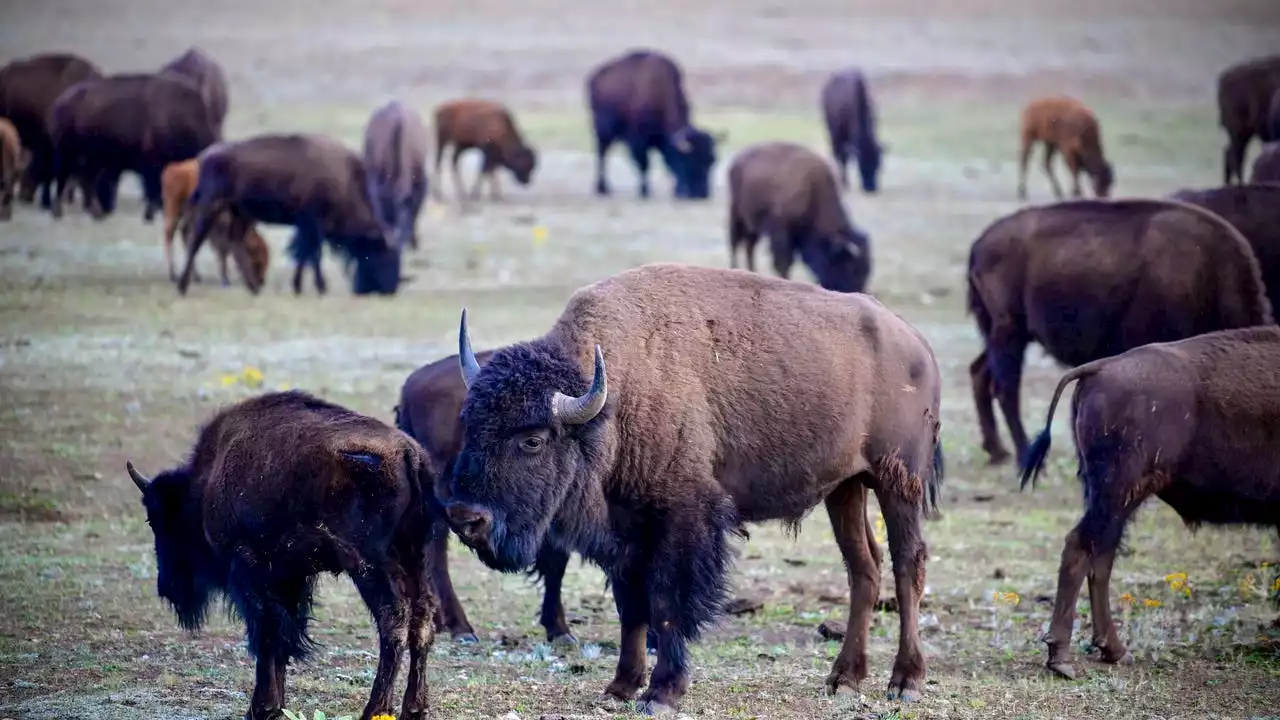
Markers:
<point>101,361</point>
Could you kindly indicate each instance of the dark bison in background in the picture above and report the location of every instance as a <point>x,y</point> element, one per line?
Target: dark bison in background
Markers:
<point>487,126</point>
<point>1193,422</point>
<point>278,489</point>
<point>708,418</point>
<point>639,99</point>
<point>311,182</point>
<point>788,192</point>
<point>206,74</point>
<point>1254,210</point>
<point>134,122</point>
<point>850,116</point>
<point>28,88</point>
<point>395,163</point>
<point>1087,279</point>
<point>1245,91</point>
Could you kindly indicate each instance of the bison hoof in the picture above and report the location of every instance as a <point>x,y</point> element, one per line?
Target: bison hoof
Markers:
<point>654,707</point>
<point>905,694</point>
<point>564,641</point>
<point>999,456</point>
<point>1063,670</point>
<point>619,692</point>
<point>841,686</point>
<point>466,638</point>
<point>1126,658</point>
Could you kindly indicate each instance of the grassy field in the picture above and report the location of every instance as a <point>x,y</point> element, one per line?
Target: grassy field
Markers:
<point>100,360</point>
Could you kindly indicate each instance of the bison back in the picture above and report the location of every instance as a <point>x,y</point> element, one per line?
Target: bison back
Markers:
<point>1254,210</point>
<point>28,89</point>
<point>785,182</point>
<point>643,89</point>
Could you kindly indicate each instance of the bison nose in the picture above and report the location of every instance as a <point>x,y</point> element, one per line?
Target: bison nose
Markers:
<point>471,523</point>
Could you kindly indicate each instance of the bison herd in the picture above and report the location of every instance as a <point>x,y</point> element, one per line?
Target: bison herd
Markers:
<point>669,407</point>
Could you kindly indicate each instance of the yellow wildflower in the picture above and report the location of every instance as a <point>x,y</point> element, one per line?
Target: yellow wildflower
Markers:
<point>1151,604</point>
<point>1275,585</point>
<point>1005,598</point>
<point>384,717</point>
<point>1127,599</point>
<point>539,235</point>
<point>251,376</point>
<point>229,380</point>
<point>1248,586</point>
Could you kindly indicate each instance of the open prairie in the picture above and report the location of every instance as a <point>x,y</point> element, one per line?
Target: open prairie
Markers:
<point>101,360</point>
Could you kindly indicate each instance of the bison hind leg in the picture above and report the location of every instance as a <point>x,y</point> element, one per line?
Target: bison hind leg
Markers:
<point>899,487</point>
<point>847,509</point>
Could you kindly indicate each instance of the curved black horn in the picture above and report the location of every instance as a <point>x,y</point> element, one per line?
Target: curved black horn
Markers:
<point>138,478</point>
<point>579,410</point>
<point>466,358</point>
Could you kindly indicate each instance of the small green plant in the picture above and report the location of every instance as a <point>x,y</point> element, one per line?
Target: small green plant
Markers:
<point>320,715</point>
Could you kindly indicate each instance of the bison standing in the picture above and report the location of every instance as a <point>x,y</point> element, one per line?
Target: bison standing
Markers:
<point>1244,99</point>
<point>1064,125</point>
<point>28,89</point>
<point>1192,422</point>
<point>395,164</point>
<point>278,489</point>
<point>206,74</point>
<point>489,127</point>
<point>639,98</point>
<point>1092,278</point>
<point>11,166</point>
<point>851,126</point>
<point>709,418</point>
<point>1254,210</point>
<point>787,191</point>
<point>177,183</point>
<point>311,182</point>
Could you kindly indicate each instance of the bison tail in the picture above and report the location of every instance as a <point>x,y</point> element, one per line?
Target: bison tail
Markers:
<point>1038,450</point>
<point>933,488</point>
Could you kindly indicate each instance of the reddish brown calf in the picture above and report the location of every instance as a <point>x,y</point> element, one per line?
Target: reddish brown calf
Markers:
<point>1064,125</point>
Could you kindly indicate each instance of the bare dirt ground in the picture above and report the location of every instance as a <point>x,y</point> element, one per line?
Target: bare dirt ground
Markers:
<point>101,361</point>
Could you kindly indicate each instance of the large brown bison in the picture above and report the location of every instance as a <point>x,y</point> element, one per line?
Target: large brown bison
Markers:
<point>1193,422</point>
<point>12,163</point>
<point>1087,279</point>
<point>206,74</point>
<point>311,182</point>
<point>1254,210</point>
<point>639,99</point>
<point>134,122</point>
<point>489,127</point>
<point>850,117</point>
<point>28,88</point>
<point>731,398</point>
<point>395,163</point>
<point>1244,99</point>
<point>177,183</point>
<point>1064,125</point>
<point>278,489</point>
<point>788,192</point>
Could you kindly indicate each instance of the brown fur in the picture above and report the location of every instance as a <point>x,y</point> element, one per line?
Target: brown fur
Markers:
<point>788,192</point>
<point>732,397</point>
<point>177,183</point>
<point>12,158</point>
<point>1064,125</point>
<point>1244,99</point>
<point>1192,422</point>
<point>395,161</point>
<point>1091,278</point>
<point>279,489</point>
<point>850,117</point>
<point>488,126</point>
<point>1254,210</point>
<point>1266,167</point>
<point>207,75</point>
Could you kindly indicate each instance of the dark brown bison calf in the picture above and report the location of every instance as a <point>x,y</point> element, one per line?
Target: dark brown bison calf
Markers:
<point>1195,423</point>
<point>489,127</point>
<point>1245,92</point>
<point>1064,125</point>
<point>278,489</point>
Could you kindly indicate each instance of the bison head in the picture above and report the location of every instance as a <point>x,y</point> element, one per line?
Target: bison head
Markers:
<point>377,272</point>
<point>690,155</point>
<point>1103,177</point>
<point>532,433</point>
<point>522,163</point>
<point>184,565</point>
<point>841,263</point>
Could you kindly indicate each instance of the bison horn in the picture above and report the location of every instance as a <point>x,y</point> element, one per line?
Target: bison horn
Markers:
<point>138,478</point>
<point>466,358</point>
<point>579,410</point>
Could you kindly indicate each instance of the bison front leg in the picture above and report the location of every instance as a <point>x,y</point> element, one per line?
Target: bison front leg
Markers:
<point>1005,363</point>
<point>847,508</point>
<point>640,156</point>
<point>1049,151</point>
<point>448,614</point>
<point>552,563</point>
<point>422,605</point>
<point>379,589</point>
<point>900,495</point>
<point>984,404</point>
<point>633,615</point>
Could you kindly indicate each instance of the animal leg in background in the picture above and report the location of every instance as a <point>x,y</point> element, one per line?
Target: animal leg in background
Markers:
<point>902,521</point>
<point>202,220</point>
<point>739,234</point>
<point>237,241</point>
<point>152,194</point>
<point>449,614</point>
<point>1233,157</point>
<point>605,136</point>
<point>552,563</point>
<point>487,165</point>
<point>459,187</point>
<point>435,190</point>
<point>640,155</point>
<point>1004,360</point>
<point>187,231</point>
<point>781,248</point>
<point>309,239</point>
<point>1049,151</point>
<point>1073,166</point>
<point>629,594</point>
<point>984,402</point>
<point>847,508</point>
<point>1028,142</point>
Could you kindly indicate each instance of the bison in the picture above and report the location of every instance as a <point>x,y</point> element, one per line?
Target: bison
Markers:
<point>1193,422</point>
<point>28,89</point>
<point>309,181</point>
<point>177,183</point>
<point>278,489</point>
<point>202,70</point>
<point>138,122</point>
<point>639,99</point>
<point>1244,99</point>
<point>1087,279</point>
<point>788,192</point>
<point>489,127</point>
<point>1064,125</point>
<point>1254,210</point>
<point>395,163</point>
<point>1266,167</point>
<point>13,159</point>
<point>851,126</point>
<point>731,398</point>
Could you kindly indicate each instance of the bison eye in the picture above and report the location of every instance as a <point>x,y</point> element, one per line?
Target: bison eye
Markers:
<point>531,444</point>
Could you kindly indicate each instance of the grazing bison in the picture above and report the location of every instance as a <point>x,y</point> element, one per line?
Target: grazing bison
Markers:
<point>788,192</point>
<point>1194,422</point>
<point>1244,98</point>
<point>395,163</point>
<point>135,122</point>
<point>1064,125</point>
<point>1254,210</point>
<point>278,489</point>
<point>1092,278</point>
<point>311,182</point>
<point>489,127</point>
<point>710,417</point>
<point>177,183</point>
<point>851,125</point>
<point>206,74</point>
<point>12,159</point>
<point>1266,167</point>
<point>639,99</point>
<point>28,89</point>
